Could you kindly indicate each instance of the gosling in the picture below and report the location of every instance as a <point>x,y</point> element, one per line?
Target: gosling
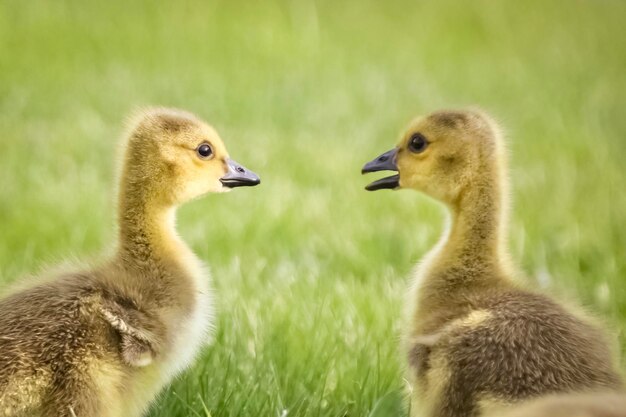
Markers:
<point>102,342</point>
<point>477,337</point>
<point>569,405</point>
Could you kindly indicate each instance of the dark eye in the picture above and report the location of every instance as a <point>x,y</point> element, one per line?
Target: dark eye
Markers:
<point>417,143</point>
<point>204,151</point>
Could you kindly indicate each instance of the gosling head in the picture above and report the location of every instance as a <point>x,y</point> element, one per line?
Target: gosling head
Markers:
<point>172,157</point>
<point>441,155</point>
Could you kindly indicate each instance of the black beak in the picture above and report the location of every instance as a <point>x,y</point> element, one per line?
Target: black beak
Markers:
<point>385,162</point>
<point>238,176</point>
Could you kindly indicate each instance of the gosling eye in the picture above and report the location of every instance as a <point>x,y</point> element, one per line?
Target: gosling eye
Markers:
<point>204,151</point>
<point>418,143</point>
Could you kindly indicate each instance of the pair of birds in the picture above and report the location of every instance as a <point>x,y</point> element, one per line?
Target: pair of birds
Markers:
<point>102,341</point>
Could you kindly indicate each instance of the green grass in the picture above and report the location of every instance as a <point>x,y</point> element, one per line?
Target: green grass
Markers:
<point>310,271</point>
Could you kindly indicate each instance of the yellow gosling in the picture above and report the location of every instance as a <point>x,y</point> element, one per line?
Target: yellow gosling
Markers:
<point>475,335</point>
<point>103,341</point>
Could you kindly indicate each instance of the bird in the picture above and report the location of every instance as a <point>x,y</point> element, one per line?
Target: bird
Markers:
<point>101,340</point>
<point>475,333</point>
<point>598,404</point>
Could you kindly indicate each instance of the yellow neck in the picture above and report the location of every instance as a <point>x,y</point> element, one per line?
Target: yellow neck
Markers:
<point>474,248</point>
<point>147,229</point>
<point>476,227</point>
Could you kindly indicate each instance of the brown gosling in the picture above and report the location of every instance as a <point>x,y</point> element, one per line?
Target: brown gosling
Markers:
<point>102,342</point>
<point>569,405</point>
<point>476,336</point>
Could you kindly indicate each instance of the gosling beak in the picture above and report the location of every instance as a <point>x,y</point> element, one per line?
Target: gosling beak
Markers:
<point>385,162</point>
<point>238,176</point>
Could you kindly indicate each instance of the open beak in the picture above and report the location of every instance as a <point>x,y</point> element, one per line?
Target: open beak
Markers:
<point>238,176</point>
<point>385,162</point>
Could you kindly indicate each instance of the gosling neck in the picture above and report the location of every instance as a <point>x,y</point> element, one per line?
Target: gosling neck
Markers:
<point>476,236</point>
<point>147,228</point>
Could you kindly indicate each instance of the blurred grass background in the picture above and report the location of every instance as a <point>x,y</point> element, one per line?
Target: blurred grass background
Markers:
<point>310,271</point>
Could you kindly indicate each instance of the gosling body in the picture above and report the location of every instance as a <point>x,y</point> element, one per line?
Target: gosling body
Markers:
<point>103,341</point>
<point>476,337</point>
